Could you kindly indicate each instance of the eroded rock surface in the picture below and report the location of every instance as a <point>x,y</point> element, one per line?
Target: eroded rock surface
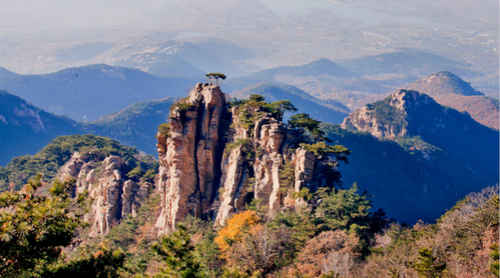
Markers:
<point>112,195</point>
<point>217,158</point>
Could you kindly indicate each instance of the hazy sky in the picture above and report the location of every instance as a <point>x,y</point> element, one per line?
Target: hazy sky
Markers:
<point>65,14</point>
<point>22,15</point>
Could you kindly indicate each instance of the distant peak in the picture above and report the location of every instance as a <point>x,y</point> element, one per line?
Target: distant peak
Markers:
<point>444,82</point>
<point>323,61</point>
<point>6,72</point>
<point>446,74</point>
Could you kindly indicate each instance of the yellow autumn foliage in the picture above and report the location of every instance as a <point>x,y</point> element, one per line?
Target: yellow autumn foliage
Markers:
<point>235,228</point>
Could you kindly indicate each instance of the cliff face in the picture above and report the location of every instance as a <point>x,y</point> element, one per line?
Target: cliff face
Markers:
<point>216,158</point>
<point>404,113</point>
<point>188,155</point>
<point>112,194</point>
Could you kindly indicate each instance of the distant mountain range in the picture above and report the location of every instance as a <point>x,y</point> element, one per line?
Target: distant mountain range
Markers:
<point>358,81</point>
<point>331,112</point>
<point>411,63</point>
<point>90,92</point>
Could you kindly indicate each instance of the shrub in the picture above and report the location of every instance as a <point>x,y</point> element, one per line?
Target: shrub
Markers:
<point>234,229</point>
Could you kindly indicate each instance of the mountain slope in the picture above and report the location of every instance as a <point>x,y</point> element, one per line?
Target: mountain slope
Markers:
<point>116,178</point>
<point>332,112</point>
<point>452,142</point>
<point>25,128</point>
<point>316,69</point>
<point>406,184</point>
<point>135,125</point>
<point>450,90</point>
<point>89,92</point>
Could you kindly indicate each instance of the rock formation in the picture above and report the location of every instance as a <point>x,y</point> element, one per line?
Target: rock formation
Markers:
<point>112,194</point>
<point>407,113</point>
<point>217,157</point>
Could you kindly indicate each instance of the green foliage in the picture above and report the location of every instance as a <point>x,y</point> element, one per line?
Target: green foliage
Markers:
<point>287,175</point>
<point>459,238</point>
<point>35,228</point>
<point>135,173</point>
<point>344,209</point>
<point>216,75</point>
<point>322,150</point>
<point>388,114</point>
<point>416,144</point>
<point>304,194</point>
<point>164,129</point>
<point>255,107</point>
<point>48,161</point>
<point>428,266</point>
<point>182,107</point>
<point>304,121</point>
<point>246,148</point>
<point>300,223</point>
<point>177,251</point>
<point>125,234</point>
<point>105,263</point>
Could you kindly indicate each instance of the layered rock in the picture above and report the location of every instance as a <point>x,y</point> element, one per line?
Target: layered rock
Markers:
<point>112,195</point>
<point>216,159</point>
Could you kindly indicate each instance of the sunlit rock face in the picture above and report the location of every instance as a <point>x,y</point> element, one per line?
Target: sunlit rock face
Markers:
<point>217,158</point>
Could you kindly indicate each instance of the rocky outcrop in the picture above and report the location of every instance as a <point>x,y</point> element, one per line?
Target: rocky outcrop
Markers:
<point>190,155</point>
<point>112,194</point>
<point>392,117</point>
<point>217,158</point>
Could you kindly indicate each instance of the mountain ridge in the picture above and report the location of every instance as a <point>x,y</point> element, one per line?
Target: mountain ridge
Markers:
<point>450,90</point>
<point>72,91</point>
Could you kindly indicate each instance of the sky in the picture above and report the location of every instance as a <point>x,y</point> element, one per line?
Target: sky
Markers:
<point>23,15</point>
<point>33,15</point>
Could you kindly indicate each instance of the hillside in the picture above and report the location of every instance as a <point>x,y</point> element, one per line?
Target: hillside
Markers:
<point>452,142</point>
<point>135,125</point>
<point>28,128</point>
<point>89,92</point>
<point>450,90</point>
<point>54,155</point>
<point>408,183</point>
<point>25,128</point>
<point>332,111</point>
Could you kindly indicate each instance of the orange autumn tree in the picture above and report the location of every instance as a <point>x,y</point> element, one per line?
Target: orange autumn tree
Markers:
<point>234,229</point>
